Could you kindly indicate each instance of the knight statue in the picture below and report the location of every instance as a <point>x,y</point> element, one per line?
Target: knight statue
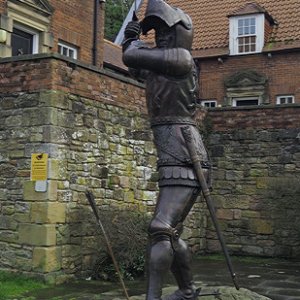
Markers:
<point>171,92</point>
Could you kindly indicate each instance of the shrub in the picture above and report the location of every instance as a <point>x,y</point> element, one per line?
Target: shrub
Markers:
<point>127,232</point>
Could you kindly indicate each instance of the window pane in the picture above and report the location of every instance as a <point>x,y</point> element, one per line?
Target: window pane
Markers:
<point>285,99</point>
<point>246,22</point>
<point>211,103</point>
<point>71,53</point>
<point>247,30</point>
<point>247,102</point>
<point>67,50</point>
<point>21,42</point>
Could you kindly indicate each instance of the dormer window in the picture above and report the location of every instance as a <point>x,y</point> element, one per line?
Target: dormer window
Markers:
<point>247,29</point>
<point>246,34</point>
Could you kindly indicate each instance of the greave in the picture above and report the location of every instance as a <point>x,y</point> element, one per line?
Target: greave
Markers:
<point>160,257</point>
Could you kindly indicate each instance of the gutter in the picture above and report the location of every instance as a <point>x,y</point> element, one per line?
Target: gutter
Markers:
<point>96,32</point>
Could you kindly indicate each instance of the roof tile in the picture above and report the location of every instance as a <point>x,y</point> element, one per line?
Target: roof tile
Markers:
<point>113,55</point>
<point>211,22</point>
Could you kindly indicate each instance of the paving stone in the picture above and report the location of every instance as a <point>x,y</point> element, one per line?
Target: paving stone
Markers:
<point>279,280</point>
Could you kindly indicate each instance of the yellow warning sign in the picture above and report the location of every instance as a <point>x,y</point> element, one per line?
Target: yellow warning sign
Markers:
<point>39,166</point>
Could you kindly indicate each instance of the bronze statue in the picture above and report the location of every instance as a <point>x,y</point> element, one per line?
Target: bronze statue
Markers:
<point>171,92</point>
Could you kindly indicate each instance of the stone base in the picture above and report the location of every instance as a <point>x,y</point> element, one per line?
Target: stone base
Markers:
<point>227,293</point>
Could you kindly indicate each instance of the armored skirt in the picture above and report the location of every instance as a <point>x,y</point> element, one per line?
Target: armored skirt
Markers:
<point>174,163</point>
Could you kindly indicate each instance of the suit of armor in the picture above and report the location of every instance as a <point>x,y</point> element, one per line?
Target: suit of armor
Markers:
<point>171,91</point>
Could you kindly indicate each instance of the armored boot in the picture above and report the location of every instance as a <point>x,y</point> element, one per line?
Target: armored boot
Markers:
<point>182,272</point>
<point>180,295</point>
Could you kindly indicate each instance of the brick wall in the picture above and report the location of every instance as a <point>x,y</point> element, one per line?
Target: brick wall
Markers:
<point>44,72</point>
<point>282,71</point>
<point>268,117</point>
<point>2,6</point>
<point>78,30</point>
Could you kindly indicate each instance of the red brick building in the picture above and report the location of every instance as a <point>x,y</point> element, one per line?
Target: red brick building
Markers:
<point>71,28</point>
<point>247,52</point>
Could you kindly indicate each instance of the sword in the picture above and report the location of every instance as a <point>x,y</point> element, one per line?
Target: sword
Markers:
<point>92,202</point>
<point>186,132</point>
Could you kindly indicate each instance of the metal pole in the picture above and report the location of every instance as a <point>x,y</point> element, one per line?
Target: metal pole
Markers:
<point>92,202</point>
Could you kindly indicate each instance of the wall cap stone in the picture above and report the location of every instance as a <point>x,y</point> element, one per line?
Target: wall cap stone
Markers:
<point>259,107</point>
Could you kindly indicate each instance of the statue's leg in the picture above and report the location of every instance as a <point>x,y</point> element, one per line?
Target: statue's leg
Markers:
<point>181,266</point>
<point>160,257</point>
<point>174,203</point>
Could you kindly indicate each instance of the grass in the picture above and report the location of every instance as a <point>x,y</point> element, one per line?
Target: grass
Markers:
<point>13,285</point>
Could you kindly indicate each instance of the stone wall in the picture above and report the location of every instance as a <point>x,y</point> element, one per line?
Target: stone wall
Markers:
<point>256,157</point>
<point>93,125</point>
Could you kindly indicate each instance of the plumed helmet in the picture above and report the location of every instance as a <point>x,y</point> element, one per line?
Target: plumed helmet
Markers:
<point>172,16</point>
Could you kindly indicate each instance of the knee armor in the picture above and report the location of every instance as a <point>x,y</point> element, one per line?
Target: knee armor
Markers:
<point>159,230</point>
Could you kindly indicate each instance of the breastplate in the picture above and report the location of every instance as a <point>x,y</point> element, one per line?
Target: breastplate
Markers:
<point>171,98</point>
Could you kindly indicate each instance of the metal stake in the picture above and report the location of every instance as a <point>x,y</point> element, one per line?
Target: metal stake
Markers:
<point>92,202</point>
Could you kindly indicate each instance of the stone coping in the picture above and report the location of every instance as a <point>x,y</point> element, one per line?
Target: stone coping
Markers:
<point>254,107</point>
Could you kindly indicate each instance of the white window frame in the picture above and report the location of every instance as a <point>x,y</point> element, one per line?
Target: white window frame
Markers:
<point>280,97</point>
<point>68,47</point>
<point>208,103</point>
<point>234,36</point>
<point>236,99</point>
<point>31,31</point>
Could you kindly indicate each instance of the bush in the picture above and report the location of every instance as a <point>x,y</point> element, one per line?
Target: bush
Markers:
<point>127,232</point>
